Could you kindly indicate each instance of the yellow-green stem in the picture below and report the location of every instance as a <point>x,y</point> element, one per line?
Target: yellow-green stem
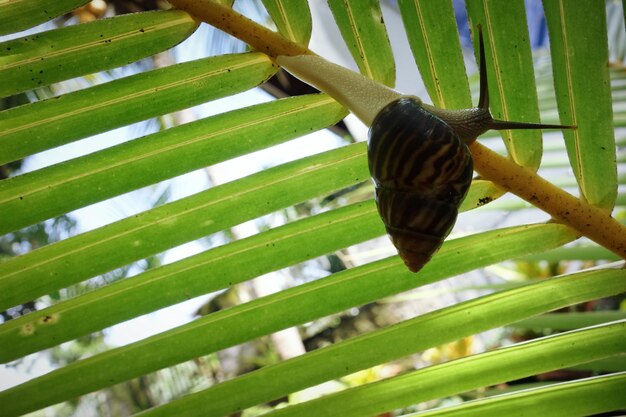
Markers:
<point>590,221</point>
<point>233,23</point>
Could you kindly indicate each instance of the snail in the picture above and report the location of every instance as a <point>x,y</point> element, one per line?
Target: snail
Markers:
<point>418,154</point>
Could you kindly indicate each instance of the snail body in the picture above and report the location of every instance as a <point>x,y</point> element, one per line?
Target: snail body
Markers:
<point>418,154</point>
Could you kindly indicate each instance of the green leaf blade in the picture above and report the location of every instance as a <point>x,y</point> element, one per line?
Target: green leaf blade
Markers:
<point>580,65</point>
<point>585,397</point>
<point>481,192</point>
<point>292,18</point>
<point>512,87</point>
<point>361,25</point>
<point>18,15</point>
<point>41,59</point>
<point>570,321</point>
<point>433,37</point>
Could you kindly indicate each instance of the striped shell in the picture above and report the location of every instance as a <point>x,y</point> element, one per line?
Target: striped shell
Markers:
<point>422,171</point>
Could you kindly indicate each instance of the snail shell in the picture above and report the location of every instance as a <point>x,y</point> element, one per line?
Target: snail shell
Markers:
<point>421,171</point>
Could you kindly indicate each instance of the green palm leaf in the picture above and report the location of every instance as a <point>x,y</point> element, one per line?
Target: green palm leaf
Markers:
<point>580,60</point>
